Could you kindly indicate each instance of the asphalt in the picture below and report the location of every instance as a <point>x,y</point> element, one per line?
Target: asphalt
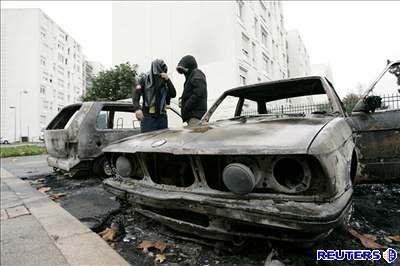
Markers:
<point>26,166</point>
<point>37,231</point>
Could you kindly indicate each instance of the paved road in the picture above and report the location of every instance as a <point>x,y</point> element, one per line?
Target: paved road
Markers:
<point>26,166</point>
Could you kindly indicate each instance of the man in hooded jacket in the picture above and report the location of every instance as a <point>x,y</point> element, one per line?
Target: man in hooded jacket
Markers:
<point>157,90</point>
<point>194,96</point>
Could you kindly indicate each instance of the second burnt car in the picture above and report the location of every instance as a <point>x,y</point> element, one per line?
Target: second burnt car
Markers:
<point>261,164</point>
<point>76,136</point>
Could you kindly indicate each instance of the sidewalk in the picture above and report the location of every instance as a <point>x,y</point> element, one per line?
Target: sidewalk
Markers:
<point>36,231</point>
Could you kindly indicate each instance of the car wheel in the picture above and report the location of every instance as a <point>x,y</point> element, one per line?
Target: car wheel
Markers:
<point>6,142</point>
<point>101,167</point>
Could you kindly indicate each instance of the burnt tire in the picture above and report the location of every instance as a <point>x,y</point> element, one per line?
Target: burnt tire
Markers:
<point>101,167</point>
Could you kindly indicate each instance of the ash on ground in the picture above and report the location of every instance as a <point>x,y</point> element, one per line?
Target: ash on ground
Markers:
<point>376,211</point>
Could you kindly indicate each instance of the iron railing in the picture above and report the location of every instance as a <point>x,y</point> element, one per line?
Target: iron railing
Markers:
<point>389,102</point>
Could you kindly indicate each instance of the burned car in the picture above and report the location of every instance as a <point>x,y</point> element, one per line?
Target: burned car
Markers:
<point>76,136</point>
<point>257,166</point>
<point>376,124</point>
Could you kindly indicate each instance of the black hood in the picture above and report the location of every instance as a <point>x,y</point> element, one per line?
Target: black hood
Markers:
<point>188,62</point>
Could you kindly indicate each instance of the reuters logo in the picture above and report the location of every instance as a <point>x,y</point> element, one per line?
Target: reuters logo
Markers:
<point>390,255</point>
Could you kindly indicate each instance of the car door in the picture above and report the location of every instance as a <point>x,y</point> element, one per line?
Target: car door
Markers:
<point>377,132</point>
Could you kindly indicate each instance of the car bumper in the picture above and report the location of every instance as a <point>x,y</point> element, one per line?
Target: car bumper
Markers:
<point>221,218</point>
<point>65,164</point>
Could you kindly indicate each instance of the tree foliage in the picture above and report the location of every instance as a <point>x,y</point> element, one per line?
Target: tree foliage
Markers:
<point>113,84</point>
<point>350,100</point>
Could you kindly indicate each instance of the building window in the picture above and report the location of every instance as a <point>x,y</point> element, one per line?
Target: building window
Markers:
<point>66,61</point>
<point>43,35</point>
<point>264,37</point>
<point>42,89</point>
<point>60,58</point>
<point>263,11</point>
<point>273,49</point>
<point>266,63</point>
<point>240,9</point>
<point>254,53</point>
<point>42,61</point>
<point>255,27</point>
<point>245,45</point>
<point>242,76</point>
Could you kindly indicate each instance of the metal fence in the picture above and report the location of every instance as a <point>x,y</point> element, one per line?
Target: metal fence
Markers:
<point>389,102</point>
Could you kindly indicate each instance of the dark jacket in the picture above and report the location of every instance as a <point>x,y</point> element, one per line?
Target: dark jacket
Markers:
<point>155,91</point>
<point>194,96</point>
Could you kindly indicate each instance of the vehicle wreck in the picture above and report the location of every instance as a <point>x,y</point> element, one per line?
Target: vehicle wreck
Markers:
<point>76,136</point>
<point>255,167</point>
<point>376,124</point>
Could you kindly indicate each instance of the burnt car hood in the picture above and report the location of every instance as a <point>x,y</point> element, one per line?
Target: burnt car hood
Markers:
<point>259,135</point>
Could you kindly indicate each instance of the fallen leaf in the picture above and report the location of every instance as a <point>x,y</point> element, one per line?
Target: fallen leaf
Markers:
<point>57,196</point>
<point>160,246</point>
<point>145,245</point>
<point>44,189</point>
<point>367,240</point>
<point>395,238</point>
<point>160,258</point>
<point>113,244</point>
<point>108,234</point>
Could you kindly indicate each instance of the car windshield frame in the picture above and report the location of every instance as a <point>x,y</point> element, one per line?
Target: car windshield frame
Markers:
<point>267,92</point>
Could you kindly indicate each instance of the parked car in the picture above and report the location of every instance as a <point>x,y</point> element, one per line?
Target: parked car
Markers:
<point>4,140</point>
<point>272,160</point>
<point>76,136</point>
<point>376,123</point>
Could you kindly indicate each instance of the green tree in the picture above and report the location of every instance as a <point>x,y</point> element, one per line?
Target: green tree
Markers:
<point>113,84</point>
<point>350,100</point>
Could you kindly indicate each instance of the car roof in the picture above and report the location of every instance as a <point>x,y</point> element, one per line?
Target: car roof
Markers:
<point>279,89</point>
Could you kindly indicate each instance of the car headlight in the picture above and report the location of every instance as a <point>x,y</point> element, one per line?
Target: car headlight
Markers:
<point>124,166</point>
<point>290,175</point>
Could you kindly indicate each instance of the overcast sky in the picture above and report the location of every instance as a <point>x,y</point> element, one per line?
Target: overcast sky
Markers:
<point>355,38</point>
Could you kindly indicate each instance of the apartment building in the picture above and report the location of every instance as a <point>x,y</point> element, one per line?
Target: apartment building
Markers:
<point>90,71</point>
<point>235,42</point>
<point>41,71</point>
<point>298,58</point>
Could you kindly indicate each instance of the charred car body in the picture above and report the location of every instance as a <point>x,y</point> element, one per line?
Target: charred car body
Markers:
<point>76,136</point>
<point>376,123</point>
<point>255,167</point>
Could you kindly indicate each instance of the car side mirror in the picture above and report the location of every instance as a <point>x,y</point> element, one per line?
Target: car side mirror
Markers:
<point>368,104</point>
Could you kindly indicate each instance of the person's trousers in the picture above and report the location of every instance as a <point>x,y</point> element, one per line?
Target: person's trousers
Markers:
<point>151,123</point>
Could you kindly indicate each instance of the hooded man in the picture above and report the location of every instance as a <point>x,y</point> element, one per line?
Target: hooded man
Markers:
<point>157,91</point>
<point>194,96</point>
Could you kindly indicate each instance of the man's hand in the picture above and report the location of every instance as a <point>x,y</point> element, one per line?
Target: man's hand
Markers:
<point>139,115</point>
<point>164,76</point>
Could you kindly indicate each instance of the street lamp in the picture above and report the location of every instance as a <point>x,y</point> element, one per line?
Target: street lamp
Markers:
<point>15,122</point>
<point>20,113</point>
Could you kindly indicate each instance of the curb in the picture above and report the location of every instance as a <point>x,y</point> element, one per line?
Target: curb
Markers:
<point>77,243</point>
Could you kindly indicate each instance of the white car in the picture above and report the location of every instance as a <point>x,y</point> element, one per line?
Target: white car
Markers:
<point>4,140</point>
